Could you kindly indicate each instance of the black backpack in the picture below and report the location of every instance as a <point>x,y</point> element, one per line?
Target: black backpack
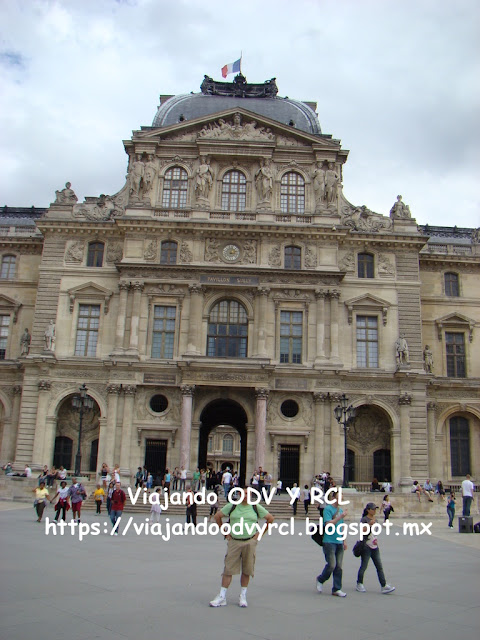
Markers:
<point>236,505</point>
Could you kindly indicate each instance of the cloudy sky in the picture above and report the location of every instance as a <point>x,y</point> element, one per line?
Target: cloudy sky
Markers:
<point>397,82</point>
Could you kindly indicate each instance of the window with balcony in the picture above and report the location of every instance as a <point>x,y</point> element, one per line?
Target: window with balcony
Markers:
<point>175,188</point>
<point>227,330</point>
<point>292,193</point>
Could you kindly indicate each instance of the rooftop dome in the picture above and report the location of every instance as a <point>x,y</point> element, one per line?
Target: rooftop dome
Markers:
<point>175,109</point>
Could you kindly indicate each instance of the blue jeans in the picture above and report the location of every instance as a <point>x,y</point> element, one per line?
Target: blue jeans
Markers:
<point>467,501</point>
<point>226,488</point>
<point>451,515</point>
<point>334,556</point>
<point>375,555</point>
<point>115,515</point>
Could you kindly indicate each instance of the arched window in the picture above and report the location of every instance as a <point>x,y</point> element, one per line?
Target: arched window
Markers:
<point>227,446</point>
<point>62,455</point>
<point>292,193</point>
<point>175,187</point>
<point>365,265</point>
<point>451,285</point>
<point>234,190</point>
<point>227,330</point>
<point>292,257</point>
<point>459,446</point>
<point>8,267</point>
<point>95,254</point>
<point>382,466</point>
<point>168,253</point>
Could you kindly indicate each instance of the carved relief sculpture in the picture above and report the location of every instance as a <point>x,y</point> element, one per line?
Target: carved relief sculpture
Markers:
<point>400,209</point>
<point>150,252</point>
<point>428,359</point>
<point>25,341</point>
<point>275,256</point>
<point>249,252</point>
<point>103,208</point>
<point>66,196</point>
<point>347,263</point>
<point>150,173</point>
<point>401,350</point>
<point>222,130</point>
<point>310,258</point>
<point>114,252</point>
<point>385,267</point>
<point>50,335</point>
<point>211,250</point>
<point>362,219</point>
<point>186,255</point>
<point>75,252</point>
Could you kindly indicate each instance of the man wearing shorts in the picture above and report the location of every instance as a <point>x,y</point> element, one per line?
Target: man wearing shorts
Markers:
<point>77,495</point>
<point>241,547</point>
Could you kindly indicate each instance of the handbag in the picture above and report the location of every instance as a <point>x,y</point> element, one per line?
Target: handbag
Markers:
<point>358,548</point>
<point>318,537</point>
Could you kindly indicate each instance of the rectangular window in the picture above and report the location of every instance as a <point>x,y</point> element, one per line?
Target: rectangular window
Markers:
<point>87,330</point>
<point>291,330</point>
<point>163,331</point>
<point>455,344</point>
<point>367,342</point>
<point>4,326</point>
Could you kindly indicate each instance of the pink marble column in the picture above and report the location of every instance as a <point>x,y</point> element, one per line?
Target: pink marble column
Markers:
<point>260,426</point>
<point>187,406</point>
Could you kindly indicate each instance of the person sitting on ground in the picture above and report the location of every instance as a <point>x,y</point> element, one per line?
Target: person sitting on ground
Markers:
<point>440,490</point>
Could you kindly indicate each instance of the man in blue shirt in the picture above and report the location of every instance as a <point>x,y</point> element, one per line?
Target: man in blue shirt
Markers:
<point>333,548</point>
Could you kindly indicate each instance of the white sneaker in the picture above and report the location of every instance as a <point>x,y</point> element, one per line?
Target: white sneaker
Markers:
<point>242,601</point>
<point>319,586</point>
<point>387,589</point>
<point>339,593</point>
<point>360,587</point>
<point>218,601</point>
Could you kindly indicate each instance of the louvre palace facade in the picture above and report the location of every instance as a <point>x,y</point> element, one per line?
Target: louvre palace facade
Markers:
<point>220,304</point>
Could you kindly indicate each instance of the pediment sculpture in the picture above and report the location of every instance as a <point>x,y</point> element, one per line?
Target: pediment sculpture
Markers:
<point>66,196</point>
<point>104,207</point>
<point>362,219</point>
<point>235,130</point>
<point>400,209</point>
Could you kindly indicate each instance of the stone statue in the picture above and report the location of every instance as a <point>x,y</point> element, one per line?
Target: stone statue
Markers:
<point>150,173</point>
<point>428,359</point>
<point>50,335</point>
<point>264,181</point>
<point>401,350</point>
<point>400,209</point>
<point>66,196</point>
<point>331,182</point>
<point>203,178</point>
<point>318,177</point>
<point>25,341</point>
<point>135,177</point>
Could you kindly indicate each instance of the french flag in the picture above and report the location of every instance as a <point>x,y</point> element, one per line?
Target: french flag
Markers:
<point>231,68</point>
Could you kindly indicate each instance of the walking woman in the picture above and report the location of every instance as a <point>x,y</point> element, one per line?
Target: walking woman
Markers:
<point>371,550</point>
<point>62,505</point>
<point>41,496</point>
<point>111,489</point>
<point>387,508</point>
<point>451,509</point>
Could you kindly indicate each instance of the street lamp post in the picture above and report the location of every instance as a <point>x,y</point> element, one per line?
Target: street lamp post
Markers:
<point>81,403</point>
<point>345,415</point>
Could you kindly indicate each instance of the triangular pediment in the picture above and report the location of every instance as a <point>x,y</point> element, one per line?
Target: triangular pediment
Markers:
<point>5,301</point>
<point>90,289</point>
<point>367,302</point>
<point>208,127</point>
<point>455,318</point>
<point>455,321</point>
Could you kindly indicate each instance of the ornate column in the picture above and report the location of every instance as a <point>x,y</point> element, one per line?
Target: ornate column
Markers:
<point>319,400</point>
<point>10,427</point>
<point>38,442</point>
<point>334,297</point>
<point>405,400</point>
<point>187,406</point>
<point>261,396</point>
<point>320,296</point>
<point>106,448</point>
<point>121,318</point>
<point>195,319</point>
<point>432,451</point>
<point>135,321</point>
<point>129,391</point>
<point>261,322</point>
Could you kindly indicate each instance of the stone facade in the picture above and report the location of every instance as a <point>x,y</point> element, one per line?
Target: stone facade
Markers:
<point>230,284</point>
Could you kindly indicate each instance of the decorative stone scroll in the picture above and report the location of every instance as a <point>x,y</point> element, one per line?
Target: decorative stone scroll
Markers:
<point>362,219</point>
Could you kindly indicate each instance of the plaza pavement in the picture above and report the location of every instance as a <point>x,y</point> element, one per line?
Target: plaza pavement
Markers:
<point>140,587</point>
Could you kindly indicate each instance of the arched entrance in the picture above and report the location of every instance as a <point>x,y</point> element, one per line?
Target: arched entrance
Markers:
<point>66,437</point>
<point>369,444</point>
<point>225,413</point>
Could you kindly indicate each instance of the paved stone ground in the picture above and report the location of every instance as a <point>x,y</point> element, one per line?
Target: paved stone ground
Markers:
<point>140,587</point>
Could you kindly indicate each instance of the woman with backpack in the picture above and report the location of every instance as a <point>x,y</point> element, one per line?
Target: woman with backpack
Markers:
<point>371,550</point>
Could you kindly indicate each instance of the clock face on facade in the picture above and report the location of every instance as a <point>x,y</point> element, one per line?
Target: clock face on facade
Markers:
<point>231,253</point>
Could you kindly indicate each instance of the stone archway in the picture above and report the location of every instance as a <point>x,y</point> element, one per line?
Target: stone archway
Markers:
<point>225,413</point>
<point>370,435</point>
<point>67,430</point>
